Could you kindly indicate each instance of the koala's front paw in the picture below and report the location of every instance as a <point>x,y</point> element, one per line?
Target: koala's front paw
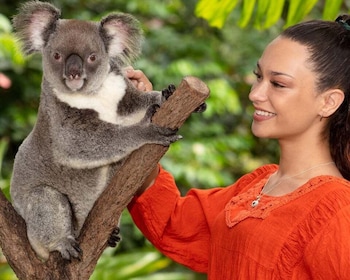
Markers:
<point>150,112</point>
<point>114,238</point>
<point>167,135</point>
<point>69,248</point>
<point>201,108</point>
<point>167,92</point>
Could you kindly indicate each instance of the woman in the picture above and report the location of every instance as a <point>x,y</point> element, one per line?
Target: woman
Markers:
<point>285,221</point>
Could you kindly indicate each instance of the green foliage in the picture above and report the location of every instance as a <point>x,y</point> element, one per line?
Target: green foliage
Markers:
<point>128,265</point>
<point>331,9</point>
<point>5,24</point>
<point>4,183</point>
<point>217,11</point>
<point>134,265</point>
<point>10,55</point>
<point>218,146</point>
<point>6,272</point>
<point>263,13</point>
<point>298,9</point>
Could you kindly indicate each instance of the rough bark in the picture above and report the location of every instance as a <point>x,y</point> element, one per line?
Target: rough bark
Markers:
<point>107,210</point>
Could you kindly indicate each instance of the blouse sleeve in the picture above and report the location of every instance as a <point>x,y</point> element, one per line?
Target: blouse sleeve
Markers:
<point>328,255</point>
<point>178,226</point>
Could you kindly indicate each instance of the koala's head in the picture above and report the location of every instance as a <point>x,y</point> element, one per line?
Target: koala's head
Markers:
<point>77,55</point>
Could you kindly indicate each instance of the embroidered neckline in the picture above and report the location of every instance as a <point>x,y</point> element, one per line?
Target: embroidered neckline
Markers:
<point>239,207</point>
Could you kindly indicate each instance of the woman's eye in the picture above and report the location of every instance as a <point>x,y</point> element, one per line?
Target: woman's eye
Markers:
<point>257,75</point>
<point>276,84</point>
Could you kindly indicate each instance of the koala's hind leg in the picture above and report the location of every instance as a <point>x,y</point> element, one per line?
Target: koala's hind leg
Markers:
<point>49,223</point>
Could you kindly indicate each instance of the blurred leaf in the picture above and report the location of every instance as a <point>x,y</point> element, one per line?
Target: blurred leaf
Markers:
<point>274,13</point>
<point>261,10</point>
<point>166,276</point>
<point>6,272</point>
<point>3,146</point>
<point>331,9</point>
<point>298,9</point>
<point>247,11</point>
<point>128,265</point>
<point>10,54</point>
<point>5,24</point>
<point>215,11</point>
<point>223,98</point>
<point>266,12</point>
<point>4,182</point>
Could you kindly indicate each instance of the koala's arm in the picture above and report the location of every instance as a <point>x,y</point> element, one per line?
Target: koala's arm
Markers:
<point>81,140</point>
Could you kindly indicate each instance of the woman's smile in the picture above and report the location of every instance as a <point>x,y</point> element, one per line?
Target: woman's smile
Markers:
<point>262,115</point>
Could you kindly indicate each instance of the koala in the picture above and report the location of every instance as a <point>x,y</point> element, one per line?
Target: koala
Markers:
<point>90,117</point>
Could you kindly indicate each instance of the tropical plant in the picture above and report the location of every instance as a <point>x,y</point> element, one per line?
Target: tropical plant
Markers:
<point>264,13</point>
<point>218,146</point>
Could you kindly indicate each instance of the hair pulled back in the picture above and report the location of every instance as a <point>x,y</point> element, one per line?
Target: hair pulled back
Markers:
<point>329,46</point>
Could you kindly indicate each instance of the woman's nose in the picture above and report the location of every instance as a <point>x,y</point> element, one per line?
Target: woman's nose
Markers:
<point>258,92</point>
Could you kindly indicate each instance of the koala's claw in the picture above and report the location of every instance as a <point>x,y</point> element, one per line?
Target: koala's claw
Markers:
<point>167,131</point>
<point>169,134</point>
<point>70,249</point>
<point>167,92</point>
<point>153,109</point>
<point>114,238</point>
<point>201,108</point>
<point>150,112</point>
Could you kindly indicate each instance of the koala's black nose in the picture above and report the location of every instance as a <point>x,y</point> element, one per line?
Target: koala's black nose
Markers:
<point>74,67</point>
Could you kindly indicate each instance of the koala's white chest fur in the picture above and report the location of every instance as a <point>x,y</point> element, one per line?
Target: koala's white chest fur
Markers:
<point>105,102</point>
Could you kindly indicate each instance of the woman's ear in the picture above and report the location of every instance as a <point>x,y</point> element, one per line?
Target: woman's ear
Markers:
<point>332,99</point>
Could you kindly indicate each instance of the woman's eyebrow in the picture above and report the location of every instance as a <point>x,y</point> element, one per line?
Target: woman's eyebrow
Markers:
<point>274,73</point>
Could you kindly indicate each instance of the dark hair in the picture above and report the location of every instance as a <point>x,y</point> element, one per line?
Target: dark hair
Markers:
<point>329,45</point>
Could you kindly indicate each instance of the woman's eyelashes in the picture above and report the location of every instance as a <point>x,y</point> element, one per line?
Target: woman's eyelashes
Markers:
<point>277,84</point>
<point>257,75</point>
<point>274,83</point>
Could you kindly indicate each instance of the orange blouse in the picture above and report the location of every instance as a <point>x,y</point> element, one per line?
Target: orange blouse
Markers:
<point>302,235</point>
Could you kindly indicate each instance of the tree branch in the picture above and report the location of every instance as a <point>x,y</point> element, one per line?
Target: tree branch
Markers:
<point>106,212</point>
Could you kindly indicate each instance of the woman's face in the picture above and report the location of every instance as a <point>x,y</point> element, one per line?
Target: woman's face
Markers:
<point>284,94</point>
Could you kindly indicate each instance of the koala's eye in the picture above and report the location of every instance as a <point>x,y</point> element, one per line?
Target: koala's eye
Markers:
<point>92,58</point>
<point>56,56</point>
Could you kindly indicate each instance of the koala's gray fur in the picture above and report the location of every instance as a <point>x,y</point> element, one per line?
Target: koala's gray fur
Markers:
<point>90,117</point>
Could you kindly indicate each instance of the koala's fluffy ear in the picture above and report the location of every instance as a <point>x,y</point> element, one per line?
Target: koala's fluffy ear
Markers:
<point>34,23</point>
<point>122,35</point>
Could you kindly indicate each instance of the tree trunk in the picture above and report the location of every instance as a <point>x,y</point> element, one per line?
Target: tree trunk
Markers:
<point>107,210</point>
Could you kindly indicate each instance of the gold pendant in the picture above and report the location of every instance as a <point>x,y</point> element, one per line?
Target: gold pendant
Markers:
<point>255,202</point>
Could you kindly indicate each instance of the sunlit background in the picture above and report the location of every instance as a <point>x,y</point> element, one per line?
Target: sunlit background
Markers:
<point>217,147</point>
